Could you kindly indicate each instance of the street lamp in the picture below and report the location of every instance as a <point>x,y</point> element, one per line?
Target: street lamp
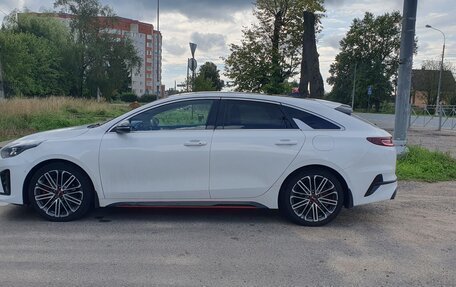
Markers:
<point>438,107</point>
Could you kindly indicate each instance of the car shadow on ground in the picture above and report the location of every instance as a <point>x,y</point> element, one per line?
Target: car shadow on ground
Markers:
<point>181,214</point>
<point>348,217</point>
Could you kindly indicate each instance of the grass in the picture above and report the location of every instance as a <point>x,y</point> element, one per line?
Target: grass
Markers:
<point>20,117</point>
<point>423,165</point>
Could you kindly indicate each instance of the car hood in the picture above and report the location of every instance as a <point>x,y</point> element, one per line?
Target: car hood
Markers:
<point>58,134</point>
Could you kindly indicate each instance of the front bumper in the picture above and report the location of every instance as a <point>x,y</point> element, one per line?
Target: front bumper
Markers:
<point>5,182</point>
<point>13,172</point>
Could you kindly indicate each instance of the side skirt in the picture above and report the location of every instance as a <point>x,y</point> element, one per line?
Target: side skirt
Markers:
<point>188,204</point>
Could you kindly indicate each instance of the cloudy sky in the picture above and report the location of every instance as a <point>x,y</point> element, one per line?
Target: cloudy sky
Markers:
<point>214,24</point>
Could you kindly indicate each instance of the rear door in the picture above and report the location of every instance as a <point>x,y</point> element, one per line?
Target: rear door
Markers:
<point>252,146</point>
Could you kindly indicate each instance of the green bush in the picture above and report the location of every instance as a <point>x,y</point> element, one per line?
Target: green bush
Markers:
<point>128,97</point>
<point>424,165</point>
<point>147,98</point>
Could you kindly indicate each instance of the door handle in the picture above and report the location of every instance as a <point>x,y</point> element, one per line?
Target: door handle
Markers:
<point>286,142</point>
<point>195,143</point>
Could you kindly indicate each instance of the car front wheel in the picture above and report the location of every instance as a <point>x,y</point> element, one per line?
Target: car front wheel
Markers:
<point>60,192</point>
<point>312,198</point>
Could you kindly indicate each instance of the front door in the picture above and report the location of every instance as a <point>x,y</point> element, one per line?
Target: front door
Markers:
<point>165,156</point>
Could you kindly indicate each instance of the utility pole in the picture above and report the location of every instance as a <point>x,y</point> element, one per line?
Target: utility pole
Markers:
<point>354,88</point>
<point>188,71</point>
<point>405,75</point>
<point>98,94</point>
<point>438,106</point>
<point>2,92</point>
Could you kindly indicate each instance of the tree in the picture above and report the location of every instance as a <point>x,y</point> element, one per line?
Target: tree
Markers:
<point>372,45</point>
<point>100,55</point>
<point>208,78</point>
<point>270,51</point>
<point>110,70</point>
<point>41,56</point>
<point>202,84</point>
<point>33,50</point>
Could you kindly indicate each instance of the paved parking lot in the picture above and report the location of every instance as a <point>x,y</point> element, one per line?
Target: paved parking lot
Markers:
<point>408,241</point>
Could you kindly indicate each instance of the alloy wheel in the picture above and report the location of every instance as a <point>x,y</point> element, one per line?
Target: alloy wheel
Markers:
<point>314,198</point>
<point>58,193</point>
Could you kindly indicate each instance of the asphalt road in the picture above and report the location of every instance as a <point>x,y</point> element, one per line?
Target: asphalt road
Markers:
<point>409,241</point>
<point>386,121</point>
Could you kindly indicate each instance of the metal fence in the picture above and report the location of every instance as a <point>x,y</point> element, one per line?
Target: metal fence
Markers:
<point>428,117</point>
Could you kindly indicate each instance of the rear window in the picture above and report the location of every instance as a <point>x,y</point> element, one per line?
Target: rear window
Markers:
<point>311,120</point>
<point>253,115</point>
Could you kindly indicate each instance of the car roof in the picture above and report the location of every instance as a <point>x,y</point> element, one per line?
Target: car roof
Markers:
<point>300,102</point>
<point>326,109</point>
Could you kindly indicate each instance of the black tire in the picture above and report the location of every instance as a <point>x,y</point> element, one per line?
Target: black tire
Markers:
<point>311,206</point>
<point>61,192</point>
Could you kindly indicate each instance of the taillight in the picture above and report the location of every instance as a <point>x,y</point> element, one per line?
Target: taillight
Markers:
<point>383,141</point>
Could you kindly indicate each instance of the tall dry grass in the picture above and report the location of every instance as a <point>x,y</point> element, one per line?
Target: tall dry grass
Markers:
<point>24,106</point>
<point>21,116</point>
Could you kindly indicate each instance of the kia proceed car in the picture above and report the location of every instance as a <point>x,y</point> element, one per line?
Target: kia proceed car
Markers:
<point>308,158</point>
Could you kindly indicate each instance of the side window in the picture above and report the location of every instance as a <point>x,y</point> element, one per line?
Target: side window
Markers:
<point>188,115</point>
<point>311,120</point>
<point>253,115</point>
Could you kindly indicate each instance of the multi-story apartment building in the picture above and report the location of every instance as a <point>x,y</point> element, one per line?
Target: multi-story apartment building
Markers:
<point>148,44</point>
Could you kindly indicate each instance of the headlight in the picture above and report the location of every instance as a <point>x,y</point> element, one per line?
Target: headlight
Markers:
<point>18,148</point>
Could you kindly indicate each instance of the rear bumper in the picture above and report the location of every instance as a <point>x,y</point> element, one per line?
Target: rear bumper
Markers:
<point>376,184</point>
<point>385,190</point>
<point>394,194</point>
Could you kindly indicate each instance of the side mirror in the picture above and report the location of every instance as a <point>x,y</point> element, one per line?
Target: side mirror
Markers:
<point>123,128</point>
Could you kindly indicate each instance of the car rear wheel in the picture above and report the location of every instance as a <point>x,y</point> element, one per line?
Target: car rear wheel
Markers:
<point>312,198</point>
<point>61,192</point>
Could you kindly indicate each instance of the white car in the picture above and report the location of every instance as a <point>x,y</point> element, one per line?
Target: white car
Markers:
<point>309,158</point>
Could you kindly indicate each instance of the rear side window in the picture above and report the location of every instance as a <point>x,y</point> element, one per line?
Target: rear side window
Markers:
<point>311,120</point>
<point>253,115</point>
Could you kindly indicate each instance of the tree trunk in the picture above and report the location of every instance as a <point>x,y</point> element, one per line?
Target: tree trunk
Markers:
<point>276,72</point>
<point>310,66</point>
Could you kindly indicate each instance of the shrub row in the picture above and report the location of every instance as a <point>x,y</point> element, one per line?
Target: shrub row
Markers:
<point>131,97</point>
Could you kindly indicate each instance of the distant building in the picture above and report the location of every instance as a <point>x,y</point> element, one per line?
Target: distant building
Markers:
<point>425,85</point>
<point>148,44</point>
